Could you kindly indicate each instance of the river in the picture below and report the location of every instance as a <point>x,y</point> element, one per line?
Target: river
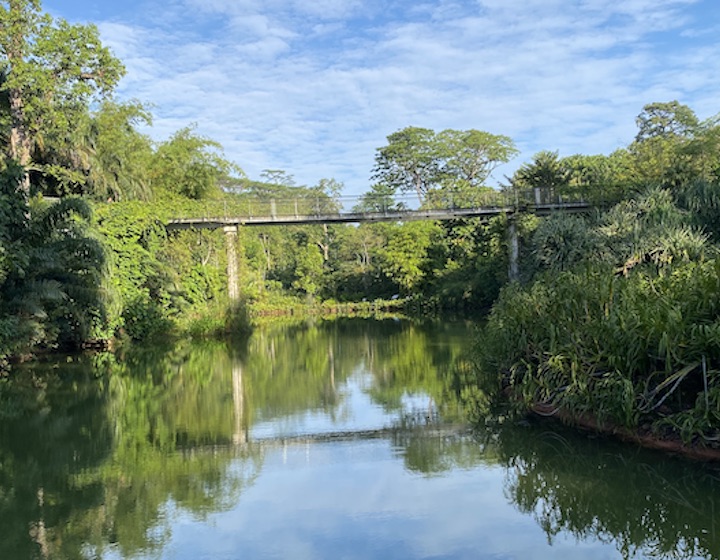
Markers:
<point>335,439</point>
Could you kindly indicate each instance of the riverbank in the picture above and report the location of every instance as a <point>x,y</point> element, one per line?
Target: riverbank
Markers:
<point>643,436</point>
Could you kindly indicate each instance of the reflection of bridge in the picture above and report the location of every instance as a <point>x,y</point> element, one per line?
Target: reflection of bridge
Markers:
<point>229,214</point>
<point>389,432</point>
<point>393,433</point>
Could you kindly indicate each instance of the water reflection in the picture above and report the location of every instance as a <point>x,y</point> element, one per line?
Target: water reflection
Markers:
<point>647,504</point>
<point>100,457</point>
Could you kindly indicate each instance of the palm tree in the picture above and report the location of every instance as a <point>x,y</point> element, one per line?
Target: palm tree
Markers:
<point>53,283</point>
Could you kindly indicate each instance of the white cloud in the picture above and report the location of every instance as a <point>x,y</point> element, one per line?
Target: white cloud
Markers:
<point>315,88</point>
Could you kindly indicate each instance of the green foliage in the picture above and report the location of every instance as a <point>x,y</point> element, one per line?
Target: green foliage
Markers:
<point>189,165</point>
<point>589,488</point>
<point>51,70</point>
<point>702,200</point>
<point>599,179</point>
<point>54,273</point>
<point>420,160</point>
<point>468,263</point>
<point>409,162</point>
<point>620,321</point>
<point>308,270</point>
<point>144,318</point>
<point>665,120</point>
<point>470,156</point>
<point>118,155</point>
<point>404,256</point>
<point>562,241</point>
<point>165,280</point>
<point>673,148</point>
<point>546,171</point>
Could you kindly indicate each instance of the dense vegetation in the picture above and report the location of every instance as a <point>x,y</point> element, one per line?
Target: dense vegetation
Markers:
<point>614,314</point>
<point>619,317</point>
<point>85,256</point>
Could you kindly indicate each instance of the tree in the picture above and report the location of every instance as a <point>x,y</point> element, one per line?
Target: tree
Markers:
<point>104,156</point>
<point>472,155</point>
<point>53,279</point>
<point>662,150</point>
<point>665,120</point>
<point>50,71</point>
<point>410,162</point>
<point>327,201</point>
<point>404,257</point>
<point>355,274</point>
<point>119,155</point>
<point>597,178</point>
<point>380,198</point>
<point>546,171</point>
<point>190,165</point>
<point>453,161</point>
<point>278,177</point>
<point>308,269</point>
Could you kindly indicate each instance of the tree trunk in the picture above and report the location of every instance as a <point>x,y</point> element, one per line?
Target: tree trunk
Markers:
<point>19,148</point>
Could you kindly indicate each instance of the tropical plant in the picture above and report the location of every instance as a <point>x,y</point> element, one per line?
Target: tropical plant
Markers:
<point>50,71</point>
<point>55,283</point>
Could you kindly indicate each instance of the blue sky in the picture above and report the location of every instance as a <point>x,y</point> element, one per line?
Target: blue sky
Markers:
<point>315,87</point>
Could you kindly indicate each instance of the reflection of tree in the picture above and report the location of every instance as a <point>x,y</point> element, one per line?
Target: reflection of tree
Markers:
<point>647,506</point>
<point>419,359</point>
<point>100,456</point>
<point>49,429</point>
<point>298,368</point>
<point>406,358</point>
<point>436,452</point>
<point>103,461</point>
<point>177,415</point>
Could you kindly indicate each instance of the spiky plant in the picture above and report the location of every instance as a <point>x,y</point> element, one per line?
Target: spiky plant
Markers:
<point>53,284</point>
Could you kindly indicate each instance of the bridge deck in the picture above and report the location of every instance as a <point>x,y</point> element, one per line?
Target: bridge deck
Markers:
<point>214,222</point>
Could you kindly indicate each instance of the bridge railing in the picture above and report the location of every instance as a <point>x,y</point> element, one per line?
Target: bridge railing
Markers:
<point>252,207</point>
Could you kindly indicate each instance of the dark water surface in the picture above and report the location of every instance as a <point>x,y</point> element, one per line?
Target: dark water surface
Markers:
<point>342,439</point>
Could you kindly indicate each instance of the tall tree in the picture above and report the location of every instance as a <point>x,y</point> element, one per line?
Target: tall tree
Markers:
<point>53,279</point>
<point>597,178</point>
<point>50,69</point>
<point>455,161</point>
<point>660,150</point>
<point>664,120</point>
<point>472,155</point>
<point>546,171</point>
<point>104,156</point>
<point>118,155</point>
<point>410,161</point>
<point>190,165</point>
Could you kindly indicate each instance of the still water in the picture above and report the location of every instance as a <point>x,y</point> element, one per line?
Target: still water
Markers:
<point>338,439</point>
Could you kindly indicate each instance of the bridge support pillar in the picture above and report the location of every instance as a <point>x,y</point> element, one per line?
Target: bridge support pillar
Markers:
<point>240,433</point>
<point>231,235</point>
<point>514,251</point>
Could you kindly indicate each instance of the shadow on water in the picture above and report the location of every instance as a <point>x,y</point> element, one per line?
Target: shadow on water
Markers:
<point>101,454</point>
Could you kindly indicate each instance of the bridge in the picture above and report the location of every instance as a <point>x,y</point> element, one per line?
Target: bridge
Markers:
<point>230,214</point>
<point>309,210</point>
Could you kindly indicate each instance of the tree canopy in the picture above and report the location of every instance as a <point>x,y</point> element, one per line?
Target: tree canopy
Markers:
<point>50,70</point>
<point>422,161</point>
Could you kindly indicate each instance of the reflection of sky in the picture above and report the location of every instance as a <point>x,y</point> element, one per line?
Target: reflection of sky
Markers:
<point>355,412</point>
<point>356,500</point>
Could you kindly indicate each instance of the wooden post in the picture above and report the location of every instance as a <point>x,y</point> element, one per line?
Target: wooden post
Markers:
<point>231,234</point>
<point>514,268</point>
